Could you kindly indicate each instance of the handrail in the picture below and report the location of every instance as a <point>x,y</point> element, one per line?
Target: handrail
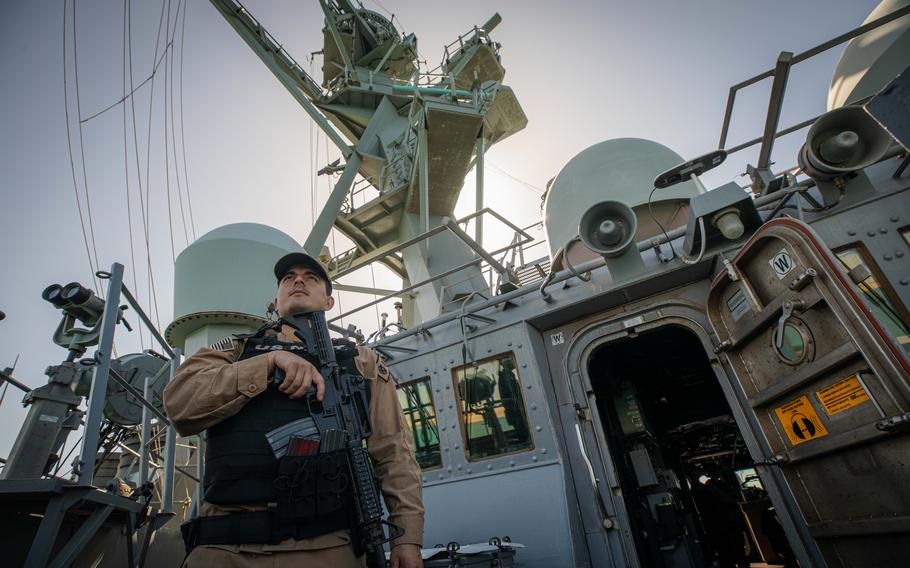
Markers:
<point>822,47</point>
<point>526,238</point>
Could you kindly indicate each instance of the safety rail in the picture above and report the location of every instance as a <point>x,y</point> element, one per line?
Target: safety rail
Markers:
<point>779,75</point>
<point>483,256</point>
<point>477,33</point>
<point>64,497</point>
<point>491,274</point>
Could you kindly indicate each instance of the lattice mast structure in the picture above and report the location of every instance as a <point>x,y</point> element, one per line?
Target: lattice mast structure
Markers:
<point>408,138</point>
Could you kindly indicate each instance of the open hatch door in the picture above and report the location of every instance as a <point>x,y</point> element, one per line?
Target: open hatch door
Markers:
<point>826,389</point>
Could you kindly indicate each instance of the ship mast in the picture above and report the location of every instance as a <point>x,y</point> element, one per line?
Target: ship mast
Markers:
<point>410,135</point>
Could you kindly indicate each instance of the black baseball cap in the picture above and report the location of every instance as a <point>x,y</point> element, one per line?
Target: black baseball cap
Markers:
<point>290,260</point>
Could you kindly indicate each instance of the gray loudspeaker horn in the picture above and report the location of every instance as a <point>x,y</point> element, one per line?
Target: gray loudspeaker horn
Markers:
<point>842,141</point>
<point>608,228</point>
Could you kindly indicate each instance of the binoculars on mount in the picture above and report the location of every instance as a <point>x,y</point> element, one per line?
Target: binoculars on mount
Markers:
<point>75,300</point>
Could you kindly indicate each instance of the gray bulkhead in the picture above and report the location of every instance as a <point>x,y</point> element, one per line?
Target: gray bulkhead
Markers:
<point>560,497</point>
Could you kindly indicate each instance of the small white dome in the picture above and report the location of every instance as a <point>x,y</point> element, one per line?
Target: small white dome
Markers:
<point>229,270</point>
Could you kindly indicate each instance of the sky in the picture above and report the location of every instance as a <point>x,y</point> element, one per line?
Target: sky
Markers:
<point>214,139</point>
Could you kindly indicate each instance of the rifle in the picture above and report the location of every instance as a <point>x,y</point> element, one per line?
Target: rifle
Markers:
<point>343,421</point>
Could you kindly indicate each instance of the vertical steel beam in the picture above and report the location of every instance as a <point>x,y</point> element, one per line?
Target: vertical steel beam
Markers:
<point>167,491</point>
<point>478,197</point>
<point>775,103</point>
<point>145,435</point>
<point>423,172</point>
<point>86,464</point>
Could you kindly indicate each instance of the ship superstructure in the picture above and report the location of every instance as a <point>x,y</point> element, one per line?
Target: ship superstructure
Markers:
<point>689,365</point>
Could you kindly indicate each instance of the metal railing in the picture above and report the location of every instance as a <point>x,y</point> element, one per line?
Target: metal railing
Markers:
<point>62,496</point>
<point>519,240</point>
<point>779,75</point>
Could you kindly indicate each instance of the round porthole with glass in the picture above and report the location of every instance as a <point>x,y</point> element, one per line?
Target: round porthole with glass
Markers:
<point>797,345</point>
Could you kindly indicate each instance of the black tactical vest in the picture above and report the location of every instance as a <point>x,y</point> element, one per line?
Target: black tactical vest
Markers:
<point>240,467</point>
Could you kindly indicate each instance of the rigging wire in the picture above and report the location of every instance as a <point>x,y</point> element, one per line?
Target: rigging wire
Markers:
<point>167,165</point>
<point>124,96</point>
<point>126,166</point>
<point>169,77</point>
<point>153,295</point>
<point>375,306</point>
<point>186,178</point>
<point>88,204</point>
<point>313,176</point>
<point>530,186</point>
<point>325,144</point>
<point>69,143</point>
<point>144,217</point>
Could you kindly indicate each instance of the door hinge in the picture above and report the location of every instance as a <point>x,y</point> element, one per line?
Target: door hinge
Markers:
<point>777,459</point>
<point>898,422</point>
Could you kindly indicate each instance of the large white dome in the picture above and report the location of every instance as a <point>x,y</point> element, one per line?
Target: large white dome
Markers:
<point>871,60</point>
<point>622,169</point>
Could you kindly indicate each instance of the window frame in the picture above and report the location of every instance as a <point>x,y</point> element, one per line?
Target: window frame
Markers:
<point>459,404</point>
<point>399,387</point>
<point>883,283</point>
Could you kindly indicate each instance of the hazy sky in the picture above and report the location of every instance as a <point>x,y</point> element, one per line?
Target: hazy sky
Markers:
<point>584,72</point>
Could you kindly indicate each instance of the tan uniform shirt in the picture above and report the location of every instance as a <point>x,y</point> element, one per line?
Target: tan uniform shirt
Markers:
<point>213,385</point>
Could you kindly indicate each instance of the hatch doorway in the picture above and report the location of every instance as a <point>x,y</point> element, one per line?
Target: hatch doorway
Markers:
<point>687,481</point>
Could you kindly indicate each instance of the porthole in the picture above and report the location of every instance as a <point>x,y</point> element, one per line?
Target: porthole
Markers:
<point>797,345</point>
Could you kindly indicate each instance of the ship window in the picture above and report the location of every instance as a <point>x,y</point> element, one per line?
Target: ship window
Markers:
<point>883,303</point>
<point>796,344</point>
<point>905,232</point>
<point>416,400</point>
<point>493,417</point>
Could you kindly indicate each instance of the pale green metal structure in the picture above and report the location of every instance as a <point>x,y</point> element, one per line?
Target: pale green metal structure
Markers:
<point>409,137</point>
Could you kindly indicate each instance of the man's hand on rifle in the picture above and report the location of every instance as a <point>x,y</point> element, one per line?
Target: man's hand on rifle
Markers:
<point>299,374</point>
<point>406,556</point>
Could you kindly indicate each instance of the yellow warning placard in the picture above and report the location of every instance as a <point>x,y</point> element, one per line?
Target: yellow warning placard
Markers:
<point>800,421</point>
<point>842,395</point>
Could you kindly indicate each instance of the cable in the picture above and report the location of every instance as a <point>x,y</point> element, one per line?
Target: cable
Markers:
<point>126,166</point>
<point>69,144</point>
<point>143,216</point>
<point>167,160</point>
<point>568,263</point>
<point>124,95</point>
<point>530,186</point>
<point>375,306</point>
<point>153,294</point>
<point>88,204</point>
<point>186,177</point>
<point>662,230</point>
<point>701,252</point>
<point>170,80</point>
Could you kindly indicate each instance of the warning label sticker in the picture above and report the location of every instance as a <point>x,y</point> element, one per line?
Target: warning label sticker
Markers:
<point>842,395</point>
<point>800,421</point>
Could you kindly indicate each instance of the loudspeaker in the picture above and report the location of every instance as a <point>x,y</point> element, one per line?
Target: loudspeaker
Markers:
<point>608,228</point>
<point>842,141</point>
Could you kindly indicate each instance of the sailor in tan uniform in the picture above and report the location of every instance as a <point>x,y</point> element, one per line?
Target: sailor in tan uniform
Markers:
<point>227,393</point>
